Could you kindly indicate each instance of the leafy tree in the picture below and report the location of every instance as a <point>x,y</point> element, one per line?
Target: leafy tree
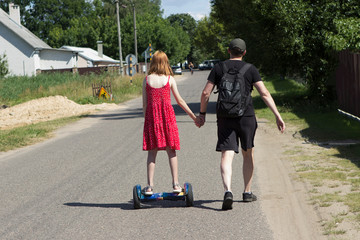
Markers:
<point>185,21</point>
<point>292,36</point>
<point>4,68</point>
<point>40,16</point>
<point>345,35</point>
<point>158,31</point>
<point>211,39</point>
<point>188,24</point>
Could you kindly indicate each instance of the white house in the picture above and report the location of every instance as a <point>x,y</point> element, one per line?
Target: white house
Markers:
<point>25,52</point>
<point>88,57</point>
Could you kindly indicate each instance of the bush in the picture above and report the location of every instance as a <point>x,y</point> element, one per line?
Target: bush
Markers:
<point>4,67</point>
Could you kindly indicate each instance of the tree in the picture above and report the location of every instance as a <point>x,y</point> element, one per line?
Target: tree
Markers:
<point>185,21</point>
<point>298,36</point>
<point>158,31</point>
<point>211,39</point>
<point>188,24</point>
<point>40,16</point>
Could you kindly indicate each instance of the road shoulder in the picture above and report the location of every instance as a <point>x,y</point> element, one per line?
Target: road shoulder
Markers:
<point>284,200</point>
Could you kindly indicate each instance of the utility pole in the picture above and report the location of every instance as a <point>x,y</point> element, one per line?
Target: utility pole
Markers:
<point>135,38</point>
<point>119,37</point>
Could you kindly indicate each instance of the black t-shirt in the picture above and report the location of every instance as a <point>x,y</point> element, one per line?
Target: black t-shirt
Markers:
<point>251,76</point>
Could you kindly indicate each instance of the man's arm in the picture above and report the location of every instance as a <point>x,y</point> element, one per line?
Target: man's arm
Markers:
<point>205,95</point>
<point>269,101</point>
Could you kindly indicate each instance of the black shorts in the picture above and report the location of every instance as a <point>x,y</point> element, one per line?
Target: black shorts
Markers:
<point>230,130</point>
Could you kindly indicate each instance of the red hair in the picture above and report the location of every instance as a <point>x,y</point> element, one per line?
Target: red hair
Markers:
<point>160,64</point>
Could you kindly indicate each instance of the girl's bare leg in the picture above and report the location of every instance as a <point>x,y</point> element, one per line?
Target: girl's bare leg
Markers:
<point>151,166</point>
<point>173,162</point>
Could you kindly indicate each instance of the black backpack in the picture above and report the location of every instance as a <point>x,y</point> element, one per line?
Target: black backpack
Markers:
<point>232,100</point>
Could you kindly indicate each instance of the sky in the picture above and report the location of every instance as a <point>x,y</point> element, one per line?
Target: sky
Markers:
<point>196,8</point>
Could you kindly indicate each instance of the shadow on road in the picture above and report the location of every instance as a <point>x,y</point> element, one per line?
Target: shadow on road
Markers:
<point>138,112</point>
<point>195,107</point>
<point>157,204</point>
<point>133,113</point>
<point>126,206</point>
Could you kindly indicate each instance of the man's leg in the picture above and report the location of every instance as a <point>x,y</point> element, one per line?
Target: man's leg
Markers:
<point>226,172</point>
<point>226,168</point>
<point>248,168</point>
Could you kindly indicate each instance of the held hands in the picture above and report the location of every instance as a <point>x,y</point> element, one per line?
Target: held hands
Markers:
<point>200,120</point>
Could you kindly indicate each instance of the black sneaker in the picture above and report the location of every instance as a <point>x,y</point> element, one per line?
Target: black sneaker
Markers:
<point>249,197</point>
<point>228,200</point>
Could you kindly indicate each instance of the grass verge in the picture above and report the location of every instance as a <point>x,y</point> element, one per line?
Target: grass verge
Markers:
<point>31,134</point>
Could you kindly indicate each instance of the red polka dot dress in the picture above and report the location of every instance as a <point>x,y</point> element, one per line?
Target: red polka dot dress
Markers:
<point>160,128</point>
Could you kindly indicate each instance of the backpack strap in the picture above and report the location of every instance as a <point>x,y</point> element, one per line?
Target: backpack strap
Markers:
<point>245,68</point>
<point>224,68</point>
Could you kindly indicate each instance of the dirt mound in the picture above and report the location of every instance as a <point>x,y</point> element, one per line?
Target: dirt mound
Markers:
<point>45,109</point>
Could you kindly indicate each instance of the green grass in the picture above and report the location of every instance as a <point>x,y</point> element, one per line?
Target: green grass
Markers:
<point>317,122</point>
<point>28,135</point>
<point>353,201</point>
<point>16,90</point>
<point>330,227</point>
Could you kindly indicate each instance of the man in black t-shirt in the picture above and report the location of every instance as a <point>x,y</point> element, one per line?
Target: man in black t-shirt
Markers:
<point>230,130</point>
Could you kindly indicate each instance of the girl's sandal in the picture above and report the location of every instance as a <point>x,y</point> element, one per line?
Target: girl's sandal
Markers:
<point>148,190</point>
<point>177,188</point>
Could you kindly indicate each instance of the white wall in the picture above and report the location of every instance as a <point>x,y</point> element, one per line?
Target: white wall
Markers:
<point>56,59</point>
<point>82,63</point>
<point>18,53</point>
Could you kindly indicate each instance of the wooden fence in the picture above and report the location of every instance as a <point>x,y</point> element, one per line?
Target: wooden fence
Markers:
<point>348,82</point>
<point>97,86</point>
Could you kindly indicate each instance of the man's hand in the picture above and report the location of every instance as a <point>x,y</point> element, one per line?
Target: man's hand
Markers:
<point>280,124</point>
<point>200,120</point>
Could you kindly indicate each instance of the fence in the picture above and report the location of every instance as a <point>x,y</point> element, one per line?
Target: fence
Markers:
<point>85,70</point>
<point>348,82</point>
<point>141,68</point>
<point>97,86</point>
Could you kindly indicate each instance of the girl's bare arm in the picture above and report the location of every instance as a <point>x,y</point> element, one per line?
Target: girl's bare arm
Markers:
<point>144,98</point>
<point>180,101</point>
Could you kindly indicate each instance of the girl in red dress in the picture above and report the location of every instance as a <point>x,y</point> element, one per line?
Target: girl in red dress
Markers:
<point>160,128</point>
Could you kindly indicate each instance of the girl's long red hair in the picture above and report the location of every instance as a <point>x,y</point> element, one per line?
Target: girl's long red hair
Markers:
<point>160,64</point>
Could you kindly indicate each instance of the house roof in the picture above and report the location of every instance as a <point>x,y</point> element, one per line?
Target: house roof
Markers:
<point>22,31</point>
<point>90,54</point>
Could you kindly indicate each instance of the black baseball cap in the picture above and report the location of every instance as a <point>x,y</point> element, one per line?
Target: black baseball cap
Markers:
<point>238,43</point>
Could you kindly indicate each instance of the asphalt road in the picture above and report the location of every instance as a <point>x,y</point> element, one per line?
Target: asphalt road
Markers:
<point>78,185</point>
